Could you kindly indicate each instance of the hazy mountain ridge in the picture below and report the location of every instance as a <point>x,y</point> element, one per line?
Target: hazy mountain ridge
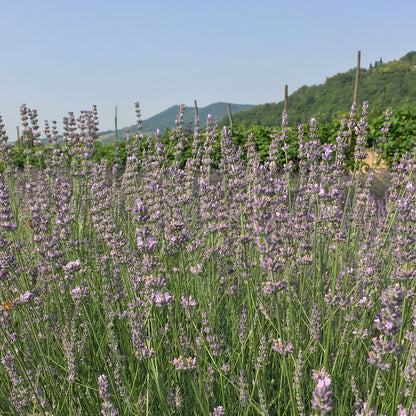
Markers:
<point>166,119</point>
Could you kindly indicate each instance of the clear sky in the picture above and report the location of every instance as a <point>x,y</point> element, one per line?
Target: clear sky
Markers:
<point>59,56</point>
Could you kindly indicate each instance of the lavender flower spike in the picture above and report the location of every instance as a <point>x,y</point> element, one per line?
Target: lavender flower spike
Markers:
<point>107,408</point>
<point>322,395</point>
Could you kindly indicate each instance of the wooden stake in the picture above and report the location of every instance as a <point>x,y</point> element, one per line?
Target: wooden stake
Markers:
<point>115,125</point>
<point>357,78</point>
<point>230,117</point>
<point>196,108</point>
<point>18,137</point>
<point>285,102</point>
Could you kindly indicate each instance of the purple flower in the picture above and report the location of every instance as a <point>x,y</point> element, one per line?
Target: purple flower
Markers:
<point>322,395</point>
<point>273,287</point>
<point>283,349</point>
<point>6,214</point>
<point>226,368</point>
<point>243,387</point>
<point>243,326</point>
<point>72,266</point>
<point>22,299</point>
<point>80,293</point>
<point>143,352</point>
<point>154,281</point>
<point>145,246</point>
<point>315,326</point>
<point>388,322</point>
<point>189,303</point>
<point>218,411</point>
<point>260,360</point>
<point>181,364</point>
<point>381,348</point>
<point>161,299</point>
<point>196,269</point>
<point>107,408</point>
<point>401,411</point>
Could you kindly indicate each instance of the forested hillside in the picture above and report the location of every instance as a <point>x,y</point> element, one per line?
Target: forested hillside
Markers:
<point>384,85</point>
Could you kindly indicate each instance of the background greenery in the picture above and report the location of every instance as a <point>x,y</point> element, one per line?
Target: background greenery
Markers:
<point>383,85</point>
<point>400,138</point>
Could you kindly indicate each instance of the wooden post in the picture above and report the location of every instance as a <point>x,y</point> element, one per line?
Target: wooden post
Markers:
<point>196,108</point>
<point>18,137</point>
<point>230,117</point>
<point>357,78</point>
<point>285,102</point>
<point>115,126</point>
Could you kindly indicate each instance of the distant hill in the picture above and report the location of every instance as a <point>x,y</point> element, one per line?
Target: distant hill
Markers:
<point>166,119</point>
<point>384,85</point>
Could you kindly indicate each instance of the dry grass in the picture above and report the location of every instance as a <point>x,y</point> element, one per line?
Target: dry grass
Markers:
<point>372,159</point>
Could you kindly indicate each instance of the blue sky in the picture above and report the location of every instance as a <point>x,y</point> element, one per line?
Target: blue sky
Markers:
<point>60,56</point>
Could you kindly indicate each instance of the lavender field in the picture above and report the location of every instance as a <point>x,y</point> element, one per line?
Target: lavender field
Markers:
<point>163,289</point>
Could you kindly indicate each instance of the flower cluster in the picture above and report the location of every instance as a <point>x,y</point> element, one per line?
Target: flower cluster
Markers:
<point>322,395</point>
<point>181,364</point>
